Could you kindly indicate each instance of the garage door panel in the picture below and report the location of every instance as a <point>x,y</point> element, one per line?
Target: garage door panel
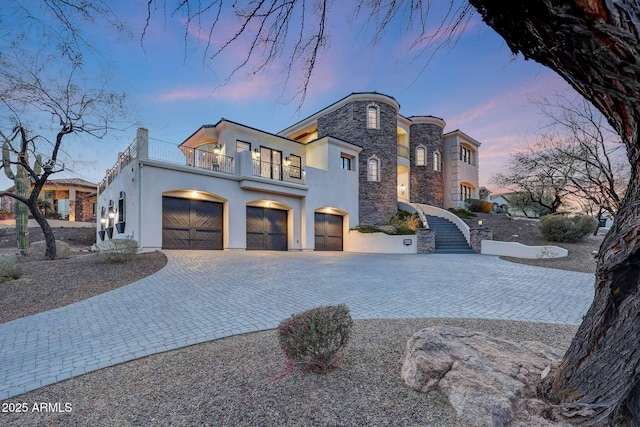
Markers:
<point>206,239</point>
<point>328,232</point>
<point>266,229</point>
<point>191,224</point>
<point>175,212</point>
<point>173,238</point>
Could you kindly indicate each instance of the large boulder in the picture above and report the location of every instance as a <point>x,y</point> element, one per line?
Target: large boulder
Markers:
<point>488,381</point>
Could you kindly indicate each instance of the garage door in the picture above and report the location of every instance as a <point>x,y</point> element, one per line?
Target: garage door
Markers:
<point>191,224</point>
<point>266,229</point>
<point>328,232</point>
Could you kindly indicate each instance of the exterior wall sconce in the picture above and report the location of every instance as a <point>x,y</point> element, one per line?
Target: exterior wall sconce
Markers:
<point>216,149</point>
<point>287,161</point>
<point>480,223</point>
<point>402,188</point>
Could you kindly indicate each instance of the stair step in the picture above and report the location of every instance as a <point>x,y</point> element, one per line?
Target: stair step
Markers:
<point>449,239</point>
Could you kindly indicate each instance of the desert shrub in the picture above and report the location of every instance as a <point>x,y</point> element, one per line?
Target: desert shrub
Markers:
<point>37,249</point>
<point>406,222</point>
<point>84,235</point>
<point>313,338</point>
<point>117,250</point>
<point>562,228</point>
<point>9,268</point>
<point>463,213</point>
<point>477,205</point>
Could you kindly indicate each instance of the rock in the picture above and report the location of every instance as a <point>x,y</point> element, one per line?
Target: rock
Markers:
<point>488,381</point>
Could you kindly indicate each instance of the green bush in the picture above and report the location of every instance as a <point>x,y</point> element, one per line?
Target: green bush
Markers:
<point>117,250</point>
<point>313,338</point>
<point>9,268</point>
<point>463,213</point>
<point>568,229</point>
<point>37,249</point>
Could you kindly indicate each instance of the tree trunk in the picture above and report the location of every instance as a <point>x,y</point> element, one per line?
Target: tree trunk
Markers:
<point>49,238</point>
<point>595,46</point>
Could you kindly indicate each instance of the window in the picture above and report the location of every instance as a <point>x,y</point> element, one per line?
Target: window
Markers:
<point>436,161</point>
<point>373,169</point>
<point>373,116</point>
<point>465,154</point>
<point>295,166</point>
<point>243,146</point>
<point>465,192</point>
<point>347,162</point>
<point>421,156</point>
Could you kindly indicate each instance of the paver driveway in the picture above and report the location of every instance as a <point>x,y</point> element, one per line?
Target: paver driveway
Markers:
<point>200,296</point>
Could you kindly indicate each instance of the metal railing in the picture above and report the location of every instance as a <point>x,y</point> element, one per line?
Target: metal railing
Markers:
<point>403,151</point>
<point>124,159</point>
<point>277,172</point>
<point>167,152</point>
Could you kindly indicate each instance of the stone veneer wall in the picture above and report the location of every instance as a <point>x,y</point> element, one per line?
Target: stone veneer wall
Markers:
<point>427,185</point>
<point>377,200</point>
<point>477,235</point>
<point>426,240</point>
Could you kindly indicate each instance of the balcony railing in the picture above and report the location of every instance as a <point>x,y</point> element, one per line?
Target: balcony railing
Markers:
<point>192,157</point>
<point>277,172</point>
<point>124,159</point>
<point>403,151</point>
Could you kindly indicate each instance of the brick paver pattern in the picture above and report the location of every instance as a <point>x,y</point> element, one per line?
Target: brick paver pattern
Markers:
<point>205,295</point>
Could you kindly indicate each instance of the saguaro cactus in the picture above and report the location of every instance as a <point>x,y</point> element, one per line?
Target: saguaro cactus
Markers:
<point>21,183</point>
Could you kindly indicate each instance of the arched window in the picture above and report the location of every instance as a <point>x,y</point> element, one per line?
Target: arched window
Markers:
<point>373,116</point>
<point>436,161</point>
<point>421,156</point>
<point>373,169</point>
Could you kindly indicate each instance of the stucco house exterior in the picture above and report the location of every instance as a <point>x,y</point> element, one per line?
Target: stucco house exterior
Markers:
<point>71,199</point>
<point>233,187</point>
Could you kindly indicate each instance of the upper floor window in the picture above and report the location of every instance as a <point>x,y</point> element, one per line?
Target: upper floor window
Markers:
<point>347,162</point>
<point>437,163</point>
<point>373,116</point>
<point>421,156</point>
<point>295,166</point>
<point>243,146</point>
<point>465,192</point>
<point>373,169</point>
<point>466,154</point>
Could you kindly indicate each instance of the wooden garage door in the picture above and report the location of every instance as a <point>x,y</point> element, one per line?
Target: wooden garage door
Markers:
<point>191,224</point>
<point>328,232</point>
<point>266,229</point>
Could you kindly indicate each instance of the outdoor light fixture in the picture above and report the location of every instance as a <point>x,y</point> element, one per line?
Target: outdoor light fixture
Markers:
<point>112,212</point>
<point>103,220</point>
<point>480,222</point>
<point>216,149</point>
<point>287,161</point>
<point>402,187</point>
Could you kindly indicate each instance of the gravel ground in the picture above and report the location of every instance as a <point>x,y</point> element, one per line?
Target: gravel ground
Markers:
<point>241,380</point>
<point>525,231</point>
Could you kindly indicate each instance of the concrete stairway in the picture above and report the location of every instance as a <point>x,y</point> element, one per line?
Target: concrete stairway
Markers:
<point>449,240</point>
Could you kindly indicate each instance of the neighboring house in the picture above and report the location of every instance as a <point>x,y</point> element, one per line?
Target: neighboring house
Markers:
<point>231,186</point>
<point>71,199</point>
<point>504,201</point>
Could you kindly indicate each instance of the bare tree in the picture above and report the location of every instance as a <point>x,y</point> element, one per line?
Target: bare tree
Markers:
<point>599,173</point>
<point>536,175</point>
<point>44,91</point>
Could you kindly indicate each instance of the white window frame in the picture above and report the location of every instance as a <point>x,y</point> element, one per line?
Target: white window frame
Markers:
<point>370,124</point>
<point>437,161</point>
<point>371,176</point>
<point>465,190</point>
<point>423,161</point>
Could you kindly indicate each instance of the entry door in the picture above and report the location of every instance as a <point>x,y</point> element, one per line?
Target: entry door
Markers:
<point>191,224</point>
<point>266,229</point>
<point>328,232</point>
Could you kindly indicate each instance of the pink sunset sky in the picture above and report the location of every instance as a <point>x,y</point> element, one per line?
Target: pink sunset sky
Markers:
<point>476,85</point>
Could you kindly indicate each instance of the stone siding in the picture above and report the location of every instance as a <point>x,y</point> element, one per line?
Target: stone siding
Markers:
<point>426,238</point>
<point>477,235</point>
<point>427,185</point>
<point>377,200</point>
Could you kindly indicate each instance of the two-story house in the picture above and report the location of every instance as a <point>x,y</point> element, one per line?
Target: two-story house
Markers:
<point>230,186</point>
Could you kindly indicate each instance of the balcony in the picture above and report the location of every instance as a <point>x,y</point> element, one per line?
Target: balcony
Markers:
<point>277,172</point>
<point>403,151</point>
<point>170,153</point>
